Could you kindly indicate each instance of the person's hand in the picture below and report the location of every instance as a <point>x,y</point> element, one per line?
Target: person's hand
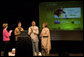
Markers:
<point>22,30</point>
<point>10,31</point>
<point>31,30</point>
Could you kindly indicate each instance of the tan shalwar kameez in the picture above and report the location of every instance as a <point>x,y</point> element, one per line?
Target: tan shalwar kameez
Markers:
<point>46,42</point>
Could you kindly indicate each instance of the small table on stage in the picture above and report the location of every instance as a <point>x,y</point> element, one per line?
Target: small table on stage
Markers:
<point>24,45</point>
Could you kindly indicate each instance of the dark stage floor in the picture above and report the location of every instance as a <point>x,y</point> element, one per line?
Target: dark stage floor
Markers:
<point>57,54</point>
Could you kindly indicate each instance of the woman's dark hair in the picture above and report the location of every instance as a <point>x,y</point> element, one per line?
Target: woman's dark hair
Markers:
<point>34,21</point>
<point>46,25</point>
<point>19,22</point>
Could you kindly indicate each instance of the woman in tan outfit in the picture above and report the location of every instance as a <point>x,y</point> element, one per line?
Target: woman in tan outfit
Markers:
<point>45,40</point>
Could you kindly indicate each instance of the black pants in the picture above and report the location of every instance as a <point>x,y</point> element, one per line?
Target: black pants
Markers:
<point>6,48</point>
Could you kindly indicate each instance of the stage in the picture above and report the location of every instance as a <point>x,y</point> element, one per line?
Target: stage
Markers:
<point>66,32</point>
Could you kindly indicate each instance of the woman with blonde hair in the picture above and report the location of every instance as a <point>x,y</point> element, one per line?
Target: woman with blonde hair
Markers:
<point>45,40</point>
<point>6,38</point>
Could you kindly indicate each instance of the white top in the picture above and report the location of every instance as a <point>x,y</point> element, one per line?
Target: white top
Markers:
<point>33,31</point>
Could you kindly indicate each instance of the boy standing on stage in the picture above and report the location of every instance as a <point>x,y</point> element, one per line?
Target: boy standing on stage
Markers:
<point>33,31</point>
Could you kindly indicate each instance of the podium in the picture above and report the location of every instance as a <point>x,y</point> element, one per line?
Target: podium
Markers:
<point>24,45</point>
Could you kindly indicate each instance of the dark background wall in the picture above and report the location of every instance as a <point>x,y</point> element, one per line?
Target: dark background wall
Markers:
<point>75,35</point>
